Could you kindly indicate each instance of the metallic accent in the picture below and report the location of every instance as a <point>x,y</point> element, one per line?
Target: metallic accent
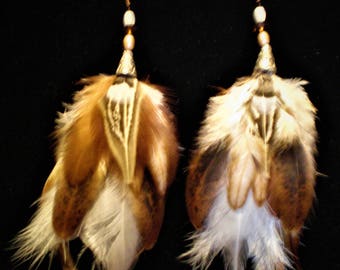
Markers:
<point>265,61</point>
<point>126,65</point>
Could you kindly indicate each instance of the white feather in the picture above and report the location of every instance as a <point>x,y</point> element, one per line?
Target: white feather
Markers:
<point>122,92</point>
<point>226,230</point>
<point>38,239</point>
<point>110,230</point>
<point>225,112</point>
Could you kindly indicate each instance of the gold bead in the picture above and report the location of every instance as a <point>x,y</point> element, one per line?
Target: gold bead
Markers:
<point>263,38</point>
<point>129,42</point>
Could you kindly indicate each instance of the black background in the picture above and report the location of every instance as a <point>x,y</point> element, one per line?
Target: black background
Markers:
<point>187,46</point>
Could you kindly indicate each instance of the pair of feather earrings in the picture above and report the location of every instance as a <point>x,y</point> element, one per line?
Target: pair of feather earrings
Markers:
<point>250,184</point>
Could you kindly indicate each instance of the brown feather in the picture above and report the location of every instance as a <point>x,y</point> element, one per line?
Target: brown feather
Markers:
<point>157,135</point>
<point>291,193</point>
<point>81,146</point>
<point>157,158</point>
<point>71,203</point>
<point>291,189</point>
<point>206,176</point>
<point>148,209</point>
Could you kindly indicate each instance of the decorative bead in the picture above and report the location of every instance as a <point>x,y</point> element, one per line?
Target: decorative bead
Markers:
<point>263,38</point>
<point>259,14</point>
<point>129,42</point>
<point>129,18</point>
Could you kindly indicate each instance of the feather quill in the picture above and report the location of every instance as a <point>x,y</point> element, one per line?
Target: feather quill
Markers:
<point>251,177</point>
<point>116,155</point>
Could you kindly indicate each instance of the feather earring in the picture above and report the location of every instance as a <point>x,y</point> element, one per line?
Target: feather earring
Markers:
<point>251,177</point>
<point>116,155</point>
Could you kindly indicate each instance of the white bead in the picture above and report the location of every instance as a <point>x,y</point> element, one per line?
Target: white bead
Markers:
<point>129,18</point>
<point>129,42</point>
<point>259,14</point>
<point>263,38</point>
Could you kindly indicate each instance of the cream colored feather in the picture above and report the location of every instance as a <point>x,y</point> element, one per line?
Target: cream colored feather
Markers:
<point>38,238</point>
<point>110,229</point>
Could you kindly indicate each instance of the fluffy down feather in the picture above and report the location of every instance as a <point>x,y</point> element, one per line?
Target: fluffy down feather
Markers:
<point>116,155</point>
<point>250,231</point>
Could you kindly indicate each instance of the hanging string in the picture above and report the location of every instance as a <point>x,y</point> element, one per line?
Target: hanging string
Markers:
<point>128,4</point>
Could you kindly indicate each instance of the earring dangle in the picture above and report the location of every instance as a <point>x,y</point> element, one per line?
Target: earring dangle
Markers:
<point>116,155</point>
<point>251,178</point>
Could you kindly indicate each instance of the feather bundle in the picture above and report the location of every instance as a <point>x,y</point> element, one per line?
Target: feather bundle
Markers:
<point>116,156</point>
<point>251,177</point>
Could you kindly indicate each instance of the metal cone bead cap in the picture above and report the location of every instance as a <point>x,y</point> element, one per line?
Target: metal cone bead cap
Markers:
<point>126,65</point>
<point>265,61</point>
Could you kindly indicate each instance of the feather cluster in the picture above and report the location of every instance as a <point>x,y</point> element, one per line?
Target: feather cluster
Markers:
<point>251,178</point>
<point>116,156</point>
